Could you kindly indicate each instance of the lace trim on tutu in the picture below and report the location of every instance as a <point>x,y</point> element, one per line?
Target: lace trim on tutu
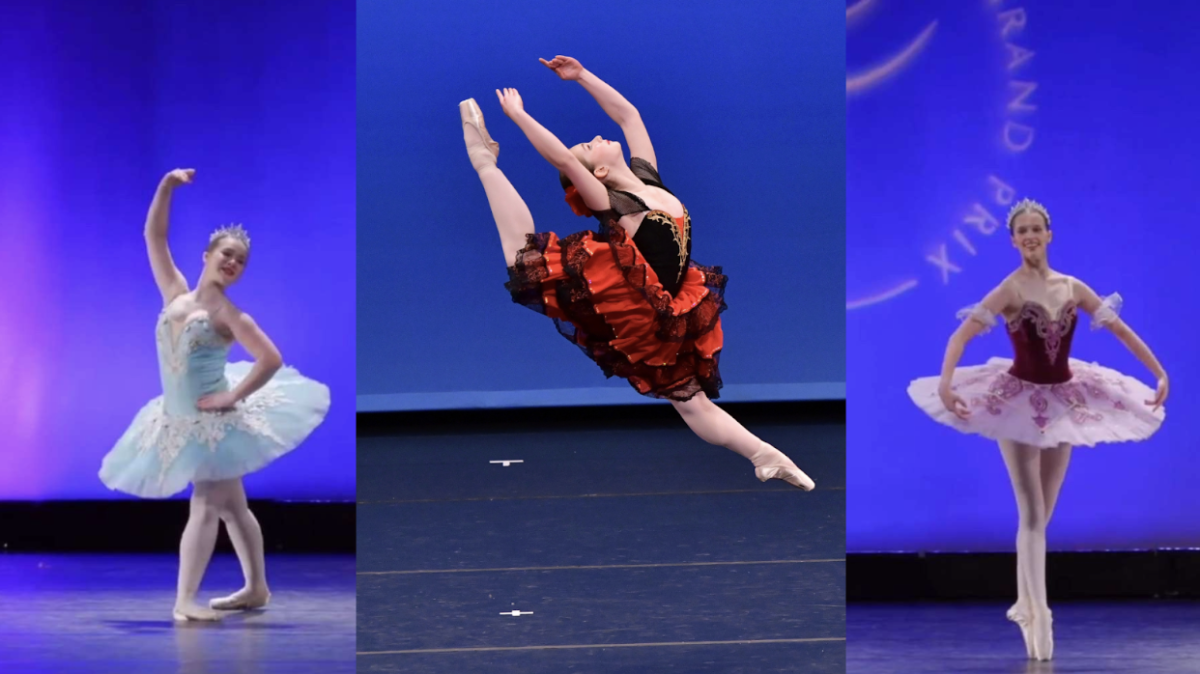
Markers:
<point>529,270</point>
<point>170,444</point>
<point>1108,311</point>
<point>167,434</point>
<point>979,314</point>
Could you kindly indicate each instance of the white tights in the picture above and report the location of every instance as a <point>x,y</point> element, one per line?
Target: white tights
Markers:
<point>1037,476</point>
<point>213,503</point>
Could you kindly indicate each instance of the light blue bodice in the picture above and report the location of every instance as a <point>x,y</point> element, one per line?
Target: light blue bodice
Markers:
<point>191,364</point>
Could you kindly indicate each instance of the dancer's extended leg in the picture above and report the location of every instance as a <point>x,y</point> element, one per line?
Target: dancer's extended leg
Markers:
<point>513,219</point>
<point>715,426</point>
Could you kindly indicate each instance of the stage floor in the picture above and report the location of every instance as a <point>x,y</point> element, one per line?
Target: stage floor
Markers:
<point>91,613</point>
<point>1147,637</point>
<point>626,550</point>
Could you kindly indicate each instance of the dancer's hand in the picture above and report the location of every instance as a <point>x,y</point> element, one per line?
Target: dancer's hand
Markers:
<point>1160,395</point>
<point>954,403</point>
<point>224,400</point>
<point>511,103</point>
<point>564,66</point>
<point>179,177</point>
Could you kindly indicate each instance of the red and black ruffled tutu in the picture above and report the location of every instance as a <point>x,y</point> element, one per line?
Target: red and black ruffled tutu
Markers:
<point>607,300</point>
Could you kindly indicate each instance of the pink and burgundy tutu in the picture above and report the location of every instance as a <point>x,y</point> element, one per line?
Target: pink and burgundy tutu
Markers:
<point>1043,397</point>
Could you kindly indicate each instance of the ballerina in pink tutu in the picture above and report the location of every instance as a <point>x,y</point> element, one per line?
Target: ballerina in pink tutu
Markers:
<point>1042,402</point>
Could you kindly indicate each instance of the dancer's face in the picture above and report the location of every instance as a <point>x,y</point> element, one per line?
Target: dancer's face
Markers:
<point>599,153</point>
<point>225,261</point>
<point>1030,235</point>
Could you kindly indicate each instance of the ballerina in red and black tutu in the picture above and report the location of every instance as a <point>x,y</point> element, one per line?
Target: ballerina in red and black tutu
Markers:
<point>628,295</point>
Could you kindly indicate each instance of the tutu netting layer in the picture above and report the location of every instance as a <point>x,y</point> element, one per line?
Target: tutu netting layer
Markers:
<point>1096,405</point>
<point>608,301</point>
<point>161,453</point>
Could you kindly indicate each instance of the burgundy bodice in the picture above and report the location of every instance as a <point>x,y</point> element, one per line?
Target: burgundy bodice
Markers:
<point>1042,343</point>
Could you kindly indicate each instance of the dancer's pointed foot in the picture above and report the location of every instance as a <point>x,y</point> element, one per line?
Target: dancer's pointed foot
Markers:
<point>245,599</point>
<point>772,464</point>
<point>191,611</point>
<point>482,150</point>
<point>1018,615</point>
<point>1043,636</point>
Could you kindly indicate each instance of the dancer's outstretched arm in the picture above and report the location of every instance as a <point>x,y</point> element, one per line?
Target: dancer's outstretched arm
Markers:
<point>267,362</point>
<point>1091,303</point>
<point>594,194</point>
<point>168,277</point>
<point>995,303</point>
<point>617,106</point>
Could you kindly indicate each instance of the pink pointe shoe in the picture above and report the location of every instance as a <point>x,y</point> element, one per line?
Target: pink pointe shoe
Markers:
<point>1017,616</point>
<point>782,468</point>
<point>1043,637</point>
<point>480,147</point>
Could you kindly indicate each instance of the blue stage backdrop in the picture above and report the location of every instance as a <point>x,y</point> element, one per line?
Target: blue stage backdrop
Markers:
<point>97,102</point>
<point>953,110</point>
<point>743,103</point>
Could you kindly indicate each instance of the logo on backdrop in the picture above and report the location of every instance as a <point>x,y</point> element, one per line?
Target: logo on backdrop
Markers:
<point>981,214</point>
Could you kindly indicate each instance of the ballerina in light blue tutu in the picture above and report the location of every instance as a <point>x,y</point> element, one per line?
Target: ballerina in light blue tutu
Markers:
<point>215,421</point>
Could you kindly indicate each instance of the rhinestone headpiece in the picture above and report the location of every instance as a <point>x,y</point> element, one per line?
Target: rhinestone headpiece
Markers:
<point>235,231</point>
<point>1023,206</point>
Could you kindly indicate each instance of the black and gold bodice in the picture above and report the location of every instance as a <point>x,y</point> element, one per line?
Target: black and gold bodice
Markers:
<point>665,241</point>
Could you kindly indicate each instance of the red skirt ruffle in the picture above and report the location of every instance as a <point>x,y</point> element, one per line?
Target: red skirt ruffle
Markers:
<point>606,300</point>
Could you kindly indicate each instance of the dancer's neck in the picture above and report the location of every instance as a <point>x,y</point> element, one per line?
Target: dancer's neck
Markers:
<point>621,178</point>
<point>207,291</point>
<point>1039,268</point>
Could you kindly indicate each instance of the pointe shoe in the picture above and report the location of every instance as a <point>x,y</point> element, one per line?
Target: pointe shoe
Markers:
<point>240,601</point>
<point>792,476</point>
<point>472,116</point>
<point>1022,621</point>
<point>783,469</point>
<point>194,614</point>
<point>1043,638</point>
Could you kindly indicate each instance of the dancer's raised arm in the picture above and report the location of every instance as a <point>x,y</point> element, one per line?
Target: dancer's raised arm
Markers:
<point>612,102</point>
<point>168,277</point>
<point>594,193</point>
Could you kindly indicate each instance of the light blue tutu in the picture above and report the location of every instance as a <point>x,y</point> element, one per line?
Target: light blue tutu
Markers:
<point>171,443</point>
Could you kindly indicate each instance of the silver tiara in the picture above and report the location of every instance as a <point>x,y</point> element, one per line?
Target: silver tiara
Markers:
<point>235,231</point>
<point>1023,206</point>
